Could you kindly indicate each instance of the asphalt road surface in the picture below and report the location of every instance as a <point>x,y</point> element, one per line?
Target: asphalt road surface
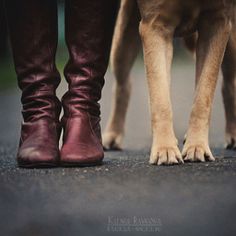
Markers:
<point>125,196</point>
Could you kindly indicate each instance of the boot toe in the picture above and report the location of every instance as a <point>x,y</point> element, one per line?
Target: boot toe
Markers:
<point>33,157</point>
<point>81,157</point>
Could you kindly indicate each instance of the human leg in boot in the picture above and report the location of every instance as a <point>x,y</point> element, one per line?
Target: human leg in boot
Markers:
<point>33,33</point>
<point>89,29</point>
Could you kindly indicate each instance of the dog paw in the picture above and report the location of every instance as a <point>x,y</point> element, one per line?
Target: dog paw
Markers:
<point>112,141</point>
<point>197,153</point>
<point>166,156</point>
<point>230,141</point>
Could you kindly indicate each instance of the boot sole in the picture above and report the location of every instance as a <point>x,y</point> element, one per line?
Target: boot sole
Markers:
<point>78,164</point>
<point>37,165</point>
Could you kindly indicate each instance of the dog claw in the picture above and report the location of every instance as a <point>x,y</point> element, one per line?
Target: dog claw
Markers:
<point>197,153</point>
<point>166,156</point>
<point>112,141</point>
<point>231,145</point>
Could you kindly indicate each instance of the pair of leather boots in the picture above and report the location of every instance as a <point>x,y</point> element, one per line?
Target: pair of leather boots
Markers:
<point>34,34</point>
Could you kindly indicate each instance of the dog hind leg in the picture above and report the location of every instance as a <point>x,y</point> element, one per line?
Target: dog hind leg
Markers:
<point>229,90</point>
<point>125,47</point>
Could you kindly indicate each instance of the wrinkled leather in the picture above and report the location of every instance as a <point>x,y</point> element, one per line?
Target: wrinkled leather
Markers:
<point>88,32</point>
<point>33,33</point>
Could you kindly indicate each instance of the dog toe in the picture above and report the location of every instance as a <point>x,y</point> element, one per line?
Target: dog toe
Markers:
<point>197,153</point>
<point>166,156</point>
<point>112,141</point>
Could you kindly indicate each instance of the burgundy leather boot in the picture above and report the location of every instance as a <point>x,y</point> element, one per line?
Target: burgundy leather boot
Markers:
<point>89,28</point>
<point>33,33</point>
<point>3,33</point>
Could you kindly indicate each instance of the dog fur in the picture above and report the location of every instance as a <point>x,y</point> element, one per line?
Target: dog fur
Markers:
<point>209,31</point>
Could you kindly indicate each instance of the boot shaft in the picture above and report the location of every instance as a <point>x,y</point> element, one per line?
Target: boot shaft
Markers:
<point>88,32</point>
<point>33,32</point>
<point>3,33</point>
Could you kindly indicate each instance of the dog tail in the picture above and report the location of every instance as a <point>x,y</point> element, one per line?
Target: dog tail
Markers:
<point>191,42</point>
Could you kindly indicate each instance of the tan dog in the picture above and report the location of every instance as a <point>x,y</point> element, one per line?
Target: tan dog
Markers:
<point>209,26</point>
